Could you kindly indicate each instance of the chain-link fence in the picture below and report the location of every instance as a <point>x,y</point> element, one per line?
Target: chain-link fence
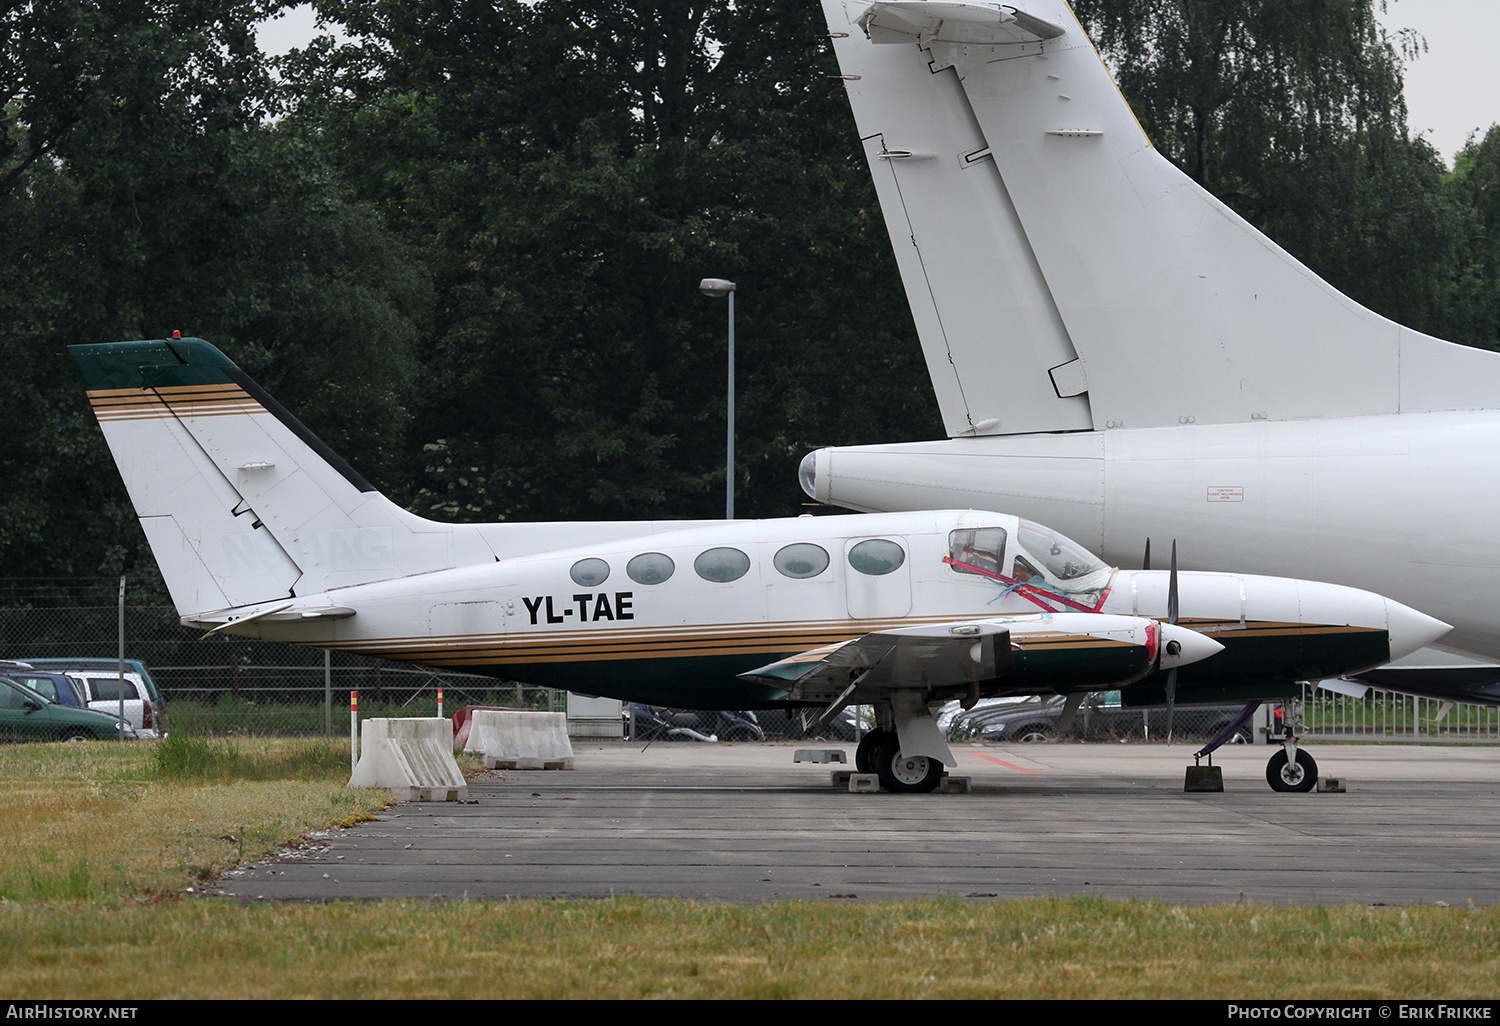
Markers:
<point>227,684</point>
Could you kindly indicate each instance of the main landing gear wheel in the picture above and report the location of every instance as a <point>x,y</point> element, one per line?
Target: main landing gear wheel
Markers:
<point>864,755</point>
<point>905,774</point>
<point>1284,775</point>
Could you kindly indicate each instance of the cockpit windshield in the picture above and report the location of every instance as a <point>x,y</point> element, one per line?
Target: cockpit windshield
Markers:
<point>1060,557</point>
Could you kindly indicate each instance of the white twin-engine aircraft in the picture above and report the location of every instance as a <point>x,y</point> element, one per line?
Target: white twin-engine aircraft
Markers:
<point>1118,354</point>
<point>261,530</point>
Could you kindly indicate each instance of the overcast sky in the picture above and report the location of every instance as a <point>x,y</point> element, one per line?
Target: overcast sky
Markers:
<point>1452,90</point>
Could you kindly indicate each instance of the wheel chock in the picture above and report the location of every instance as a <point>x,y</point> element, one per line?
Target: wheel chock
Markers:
<point>955,785</point>
<point>820,755</point>
<point>1330,785</point>
<point>1204,778</point>
<point>863,783</point>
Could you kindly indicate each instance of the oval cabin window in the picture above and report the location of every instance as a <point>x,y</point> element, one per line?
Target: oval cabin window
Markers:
<point>722,565</point>
<point>650,568</point>
<point>801,560</point>
<point>877,557</point>
<point>589,573</point>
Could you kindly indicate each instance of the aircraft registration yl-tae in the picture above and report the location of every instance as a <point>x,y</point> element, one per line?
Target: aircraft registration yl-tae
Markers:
<point>261,530</point>
<point>1118,354</point>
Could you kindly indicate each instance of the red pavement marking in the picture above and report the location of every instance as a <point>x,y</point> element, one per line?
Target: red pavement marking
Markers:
<point>1002,762</point>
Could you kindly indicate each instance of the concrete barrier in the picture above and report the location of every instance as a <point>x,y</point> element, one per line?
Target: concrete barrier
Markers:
<point>520,740</point>
<point>412,757</point>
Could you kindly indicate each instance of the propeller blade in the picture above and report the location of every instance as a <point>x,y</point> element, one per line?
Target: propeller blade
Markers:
<point>1172,619</point>
<point>1146,560</point>
<point>1172,587</point>
<point>1171,699</point>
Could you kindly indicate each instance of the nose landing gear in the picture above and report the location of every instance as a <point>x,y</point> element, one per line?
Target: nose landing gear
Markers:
<point>1292,769</point>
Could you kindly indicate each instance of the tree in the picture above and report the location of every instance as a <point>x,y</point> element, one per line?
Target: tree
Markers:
<point>146,193</point>
<point>1474,188</point>
<point>571,170</point>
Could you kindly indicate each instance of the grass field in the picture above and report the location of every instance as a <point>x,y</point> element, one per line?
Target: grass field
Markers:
<point>103,840</point>
<point>137,822</point>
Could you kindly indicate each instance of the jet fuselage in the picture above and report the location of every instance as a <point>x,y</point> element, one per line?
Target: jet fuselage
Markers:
<point>1402,505</point>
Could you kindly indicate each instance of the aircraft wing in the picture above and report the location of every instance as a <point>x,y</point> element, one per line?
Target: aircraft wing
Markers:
<point>905,666</point>
<point>1071,651</point>
<point>933,655</point>
<point>896,662</point>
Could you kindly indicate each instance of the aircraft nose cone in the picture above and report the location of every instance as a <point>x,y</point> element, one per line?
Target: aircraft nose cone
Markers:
<point>1191,646</point>
<point>1410,630</point>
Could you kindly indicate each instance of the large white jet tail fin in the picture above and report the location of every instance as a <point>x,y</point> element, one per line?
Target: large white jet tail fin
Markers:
<point>1064,275</point>
<point>240,502</point>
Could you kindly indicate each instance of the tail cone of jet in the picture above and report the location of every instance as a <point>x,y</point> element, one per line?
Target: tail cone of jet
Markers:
<point>1190,646</point>
<point>1410,630</point>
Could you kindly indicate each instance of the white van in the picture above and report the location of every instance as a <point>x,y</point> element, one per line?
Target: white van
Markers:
<point>102,692</point>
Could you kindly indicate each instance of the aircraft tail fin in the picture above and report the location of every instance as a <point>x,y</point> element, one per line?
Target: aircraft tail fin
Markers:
<point>1064,275</point>
<point>240,502</point>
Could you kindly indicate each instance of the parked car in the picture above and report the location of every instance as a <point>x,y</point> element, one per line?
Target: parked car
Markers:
<point>780,725</point>
<point>1101,717</point>
<point>654,722</point>
<point>102,691</point>
<point>134,670</point>
<point>57,687</point>
<point>949,712</point>
<point>28,716</point>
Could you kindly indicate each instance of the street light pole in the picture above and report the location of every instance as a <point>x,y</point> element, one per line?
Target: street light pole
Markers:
<point>718,288</point>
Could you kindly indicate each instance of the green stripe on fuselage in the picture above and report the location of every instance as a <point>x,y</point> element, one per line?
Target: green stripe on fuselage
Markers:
<point>1084,666</point>
<point>1292,655</point>
<point>682,682</point>
<point>1260,665</point>
<point>712,682</point>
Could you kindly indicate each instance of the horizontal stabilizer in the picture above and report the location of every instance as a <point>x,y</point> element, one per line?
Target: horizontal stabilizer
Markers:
<point>911,21</point>
<point>277,612</point>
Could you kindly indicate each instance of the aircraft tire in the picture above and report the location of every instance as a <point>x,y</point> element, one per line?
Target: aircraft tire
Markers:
<point>1284,777</point>
<point>864,755</point>
<point>898,774</point>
